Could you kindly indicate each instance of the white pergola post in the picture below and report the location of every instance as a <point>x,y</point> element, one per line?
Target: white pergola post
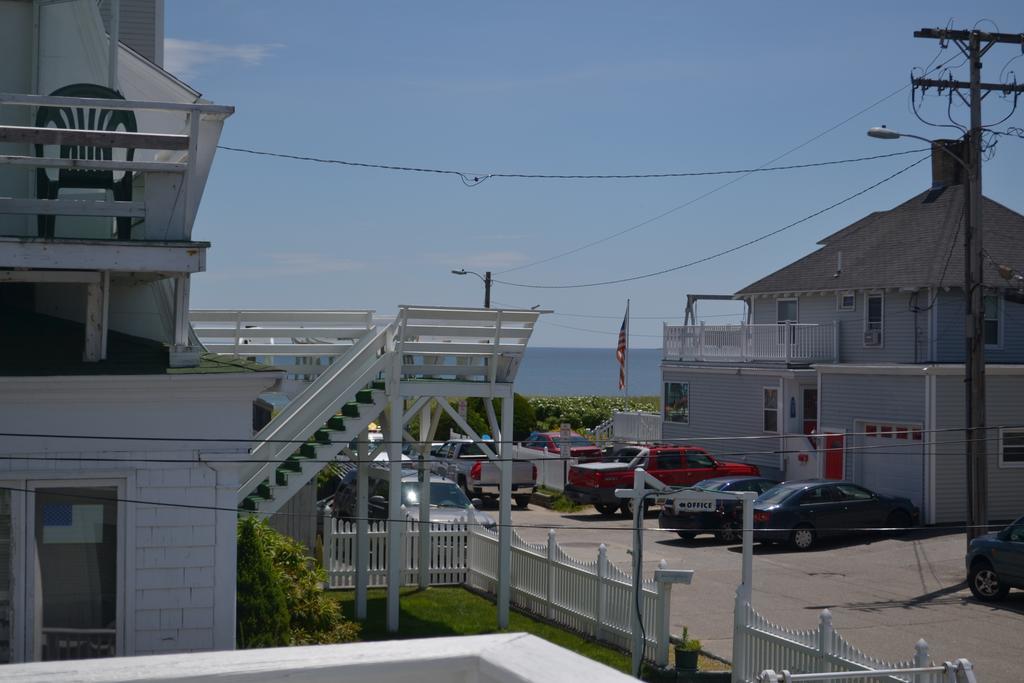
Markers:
<point>424,550</point>
<point>395,520</point>
<point>638,518</point>
<point>505,451</point>
<point>362,522</point>
<point>745,590</point>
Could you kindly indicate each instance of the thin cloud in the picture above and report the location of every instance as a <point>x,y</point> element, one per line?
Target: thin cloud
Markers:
<point>486,260</point>
<point>184,57</point>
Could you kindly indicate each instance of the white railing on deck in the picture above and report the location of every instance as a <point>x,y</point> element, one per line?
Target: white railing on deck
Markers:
<point>785,342</point>
<point>592,597</point>
<point>764,645</point>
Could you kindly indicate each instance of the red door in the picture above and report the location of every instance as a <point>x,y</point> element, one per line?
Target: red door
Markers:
<point>834,456</point>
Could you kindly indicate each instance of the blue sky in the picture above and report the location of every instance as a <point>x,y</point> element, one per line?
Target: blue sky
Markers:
<point>541,87</point>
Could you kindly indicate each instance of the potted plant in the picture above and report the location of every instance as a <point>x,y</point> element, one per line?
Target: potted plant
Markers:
<point>687,651</point>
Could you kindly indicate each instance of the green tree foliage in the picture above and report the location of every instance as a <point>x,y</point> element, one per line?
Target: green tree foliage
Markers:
<point>584,412</point>
<point>282,602</point>
<point>523,419</point>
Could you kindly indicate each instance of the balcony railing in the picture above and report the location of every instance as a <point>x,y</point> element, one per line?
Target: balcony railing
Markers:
<point>784,343</point>
<point>170,175</point>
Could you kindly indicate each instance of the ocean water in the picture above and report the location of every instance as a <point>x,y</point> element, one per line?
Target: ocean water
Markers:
<point>587,372</point>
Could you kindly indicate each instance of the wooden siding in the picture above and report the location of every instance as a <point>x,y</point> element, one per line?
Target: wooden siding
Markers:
<point>949,312</point>
<point>898,335</point>
<point>1005,484</point>
<point>297,517</point>
<point>727,405</point>
<point>138,29</point>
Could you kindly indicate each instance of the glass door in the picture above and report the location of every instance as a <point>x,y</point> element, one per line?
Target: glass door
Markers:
<point>76,558</point>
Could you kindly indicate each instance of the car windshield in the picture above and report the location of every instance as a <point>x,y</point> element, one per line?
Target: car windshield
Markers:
<point>578,440</point>
<point>714,484</point>
<point>625,455</point>
<point>473,448</point>
<point>442,494</point>
<point>776,495</point>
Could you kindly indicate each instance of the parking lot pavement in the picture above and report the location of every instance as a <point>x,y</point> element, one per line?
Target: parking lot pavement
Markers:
<point>884,593</point>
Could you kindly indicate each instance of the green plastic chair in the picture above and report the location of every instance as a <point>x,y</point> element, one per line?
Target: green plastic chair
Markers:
<point>50,181</point>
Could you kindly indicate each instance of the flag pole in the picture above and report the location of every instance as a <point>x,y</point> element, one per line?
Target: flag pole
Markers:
<point>627,356</point>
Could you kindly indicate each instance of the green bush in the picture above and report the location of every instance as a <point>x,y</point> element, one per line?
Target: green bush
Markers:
<point>523,419</point>
<point>281,600</point>
<point>584,412</point>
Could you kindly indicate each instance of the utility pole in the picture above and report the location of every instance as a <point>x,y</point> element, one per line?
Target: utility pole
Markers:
<point>487,289</point>
<point>974,45</point>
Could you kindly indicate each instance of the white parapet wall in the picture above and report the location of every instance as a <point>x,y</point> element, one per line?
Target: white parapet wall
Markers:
<point>500,658</point>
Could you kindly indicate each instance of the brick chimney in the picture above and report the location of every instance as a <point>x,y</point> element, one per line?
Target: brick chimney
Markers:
<point>945,169</point>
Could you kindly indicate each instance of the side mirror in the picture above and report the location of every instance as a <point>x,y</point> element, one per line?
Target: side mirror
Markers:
<point>378,500</point>
<point>477,502</point>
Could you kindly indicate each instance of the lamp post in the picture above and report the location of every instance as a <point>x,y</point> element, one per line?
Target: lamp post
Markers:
<point>485,278</point>
<point>974,331</point>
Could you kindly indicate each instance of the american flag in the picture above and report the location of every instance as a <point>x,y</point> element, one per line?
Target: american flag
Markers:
<point>620,350</point>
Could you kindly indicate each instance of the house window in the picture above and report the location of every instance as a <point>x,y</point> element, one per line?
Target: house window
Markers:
<point>786,312</point>
<point>76,527</point>
<point>846,301</point>
<point>677,402</point>
<point>992,306</point>
<point>771,410</point>
<point>1011,448</point>
<point>873,320</point>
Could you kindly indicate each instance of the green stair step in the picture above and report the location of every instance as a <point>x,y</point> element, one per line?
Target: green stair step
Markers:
<point>291,465</point>
<point>281,475</point>
<point>263,490</point>
<point>307,450</point>
<point>249,503</point>
<point>377,384</point>
<point>336,423</point>
<point>350,409</point>
<point>364,396</point>
<point>322,436</point>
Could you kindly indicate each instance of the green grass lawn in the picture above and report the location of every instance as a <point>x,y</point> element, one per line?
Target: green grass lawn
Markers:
<point>455,611</point>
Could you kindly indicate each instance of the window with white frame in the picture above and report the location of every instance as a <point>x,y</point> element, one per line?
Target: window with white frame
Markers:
<point>1011,448</point>
<point>677,402</point>
<point>770,413</point>
<point>846,301</point>
<point>992,306</point>
<point>874,319</point>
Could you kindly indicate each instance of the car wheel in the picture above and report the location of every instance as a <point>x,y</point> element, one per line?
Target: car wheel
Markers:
<point>687,535</point>
<point>627,508</point>
<point>802,537</point>
<point>984,582</point>
<point>728,534</point>
<point>606,509</point>
<point>898,520</point>
<point>522,502</point>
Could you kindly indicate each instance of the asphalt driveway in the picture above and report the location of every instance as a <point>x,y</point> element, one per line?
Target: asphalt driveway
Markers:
<point>884,593</point>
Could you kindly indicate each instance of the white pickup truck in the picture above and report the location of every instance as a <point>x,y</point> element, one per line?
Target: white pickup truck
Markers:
<point>464,462</point>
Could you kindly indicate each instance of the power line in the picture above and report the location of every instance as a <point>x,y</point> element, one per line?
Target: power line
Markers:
<point>473,179</point>
<point>720,253</point>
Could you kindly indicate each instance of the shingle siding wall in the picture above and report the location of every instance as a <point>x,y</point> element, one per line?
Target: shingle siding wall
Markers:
<point>139,19</point>
<point>949,312</point>
<point>898,336</point>
<point>723,405</point>
<point>1005,484</point>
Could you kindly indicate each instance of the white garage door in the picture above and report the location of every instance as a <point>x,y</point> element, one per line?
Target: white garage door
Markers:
<point>891,460</point>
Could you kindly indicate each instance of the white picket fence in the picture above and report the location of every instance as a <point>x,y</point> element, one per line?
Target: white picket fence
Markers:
<point>766,646</point>
<point>448,553</point>
<point>593,598</point>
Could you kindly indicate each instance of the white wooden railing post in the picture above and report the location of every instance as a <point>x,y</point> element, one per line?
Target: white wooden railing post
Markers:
<point>661,627</point>
<point>740,664</point>
<point>602,590</point>
<point>362,522</point>
<point>550,593</point>
<point>824,639</point>
<point>700,342</point>
<point>835,341</point>
<point>920,659</point>
<point>788,340</point>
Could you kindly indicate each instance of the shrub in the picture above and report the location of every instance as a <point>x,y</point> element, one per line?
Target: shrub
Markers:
<point>584,412</point>
<point>310,616</point>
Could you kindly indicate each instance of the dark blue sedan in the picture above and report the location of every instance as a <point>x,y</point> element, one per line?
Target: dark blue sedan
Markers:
<point>995,562</point>
<point>723,518</point>
<point>801,512</point>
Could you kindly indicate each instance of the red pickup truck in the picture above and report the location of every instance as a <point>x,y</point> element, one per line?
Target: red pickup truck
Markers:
<point>595,482</point>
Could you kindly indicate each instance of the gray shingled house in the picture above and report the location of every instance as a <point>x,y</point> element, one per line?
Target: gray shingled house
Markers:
<point>850,364</point>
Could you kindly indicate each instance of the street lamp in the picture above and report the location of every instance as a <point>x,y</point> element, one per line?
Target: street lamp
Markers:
<point>974,330</point>
<point>485,278</point>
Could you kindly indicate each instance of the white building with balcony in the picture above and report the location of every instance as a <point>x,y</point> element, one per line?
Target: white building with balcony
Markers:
<point>850,362</point>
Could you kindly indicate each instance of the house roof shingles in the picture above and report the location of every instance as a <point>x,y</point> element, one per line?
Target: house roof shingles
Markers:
<point>916,244</point>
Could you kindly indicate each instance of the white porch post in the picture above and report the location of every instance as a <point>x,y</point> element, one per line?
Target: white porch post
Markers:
<point>744,592</point>
<point>362,523</point>
<point>395,520</point>
<point>505,450</point>
<point>95,320</point>
<point>424,545</point>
